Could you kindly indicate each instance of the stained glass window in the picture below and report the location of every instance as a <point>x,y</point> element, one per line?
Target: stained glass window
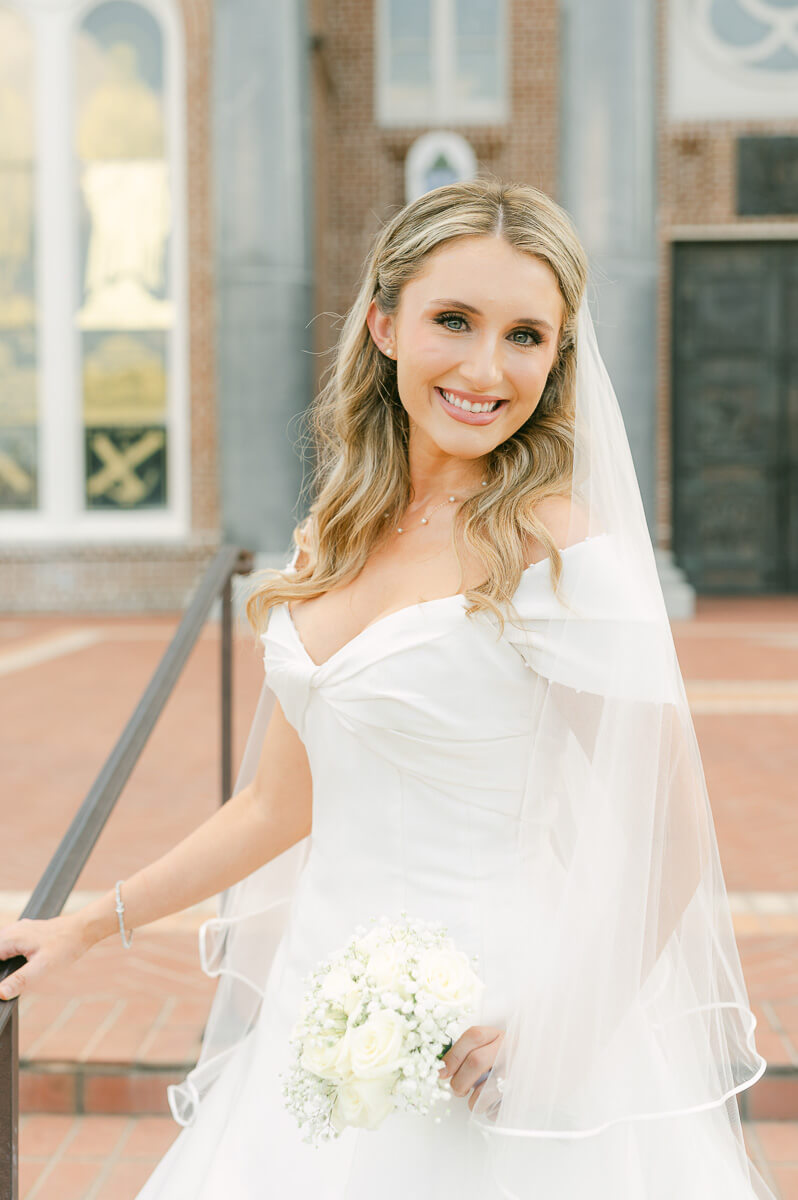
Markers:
<point>125,311</point>
<point>18,402</point>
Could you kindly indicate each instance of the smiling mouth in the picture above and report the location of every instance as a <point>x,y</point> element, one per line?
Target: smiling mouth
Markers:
<point>482,406</point>
<point>473,412</point>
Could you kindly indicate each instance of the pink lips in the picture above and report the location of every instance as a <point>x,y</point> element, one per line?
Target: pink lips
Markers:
<point>469,418</point>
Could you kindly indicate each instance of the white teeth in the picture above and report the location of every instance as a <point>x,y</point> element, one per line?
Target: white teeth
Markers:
<point>467,406</point>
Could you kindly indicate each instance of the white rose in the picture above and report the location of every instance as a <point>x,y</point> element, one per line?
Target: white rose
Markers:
<point>386,965</point>
<point>375,1047</point>
<point>371,940</point>
<point>352,1000</point>
<point>447,976</point>
<point>363,1102</point>
<point>327,1057</point>
<point>337,984</point>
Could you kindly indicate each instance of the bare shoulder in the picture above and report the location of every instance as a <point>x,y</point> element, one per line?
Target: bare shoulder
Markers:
<point>566,522</point>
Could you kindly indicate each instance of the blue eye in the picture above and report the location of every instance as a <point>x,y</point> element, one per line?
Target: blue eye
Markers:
<point>532,333</point>
<point>444,319</point>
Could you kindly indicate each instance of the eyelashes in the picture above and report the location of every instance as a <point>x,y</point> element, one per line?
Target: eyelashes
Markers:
<point>442,318</point>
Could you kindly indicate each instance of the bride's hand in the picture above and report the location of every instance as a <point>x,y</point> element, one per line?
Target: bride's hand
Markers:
<point>471,1057</point>
<point>46,944</point>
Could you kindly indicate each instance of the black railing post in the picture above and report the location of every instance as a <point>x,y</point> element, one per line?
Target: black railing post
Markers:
<point>9,1103</point>
<point>60,875</point>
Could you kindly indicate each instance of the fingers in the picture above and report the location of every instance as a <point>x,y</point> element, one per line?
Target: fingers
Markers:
<point>472,1099</point>
<point>14,943</point>
<point>474,1036</point>
<point>477,1063</point>
<point>471,1058</point>
<point>14,940</point>
<point>14,985</point>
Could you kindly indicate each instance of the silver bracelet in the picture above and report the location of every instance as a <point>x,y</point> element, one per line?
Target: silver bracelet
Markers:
<point>120,908</point>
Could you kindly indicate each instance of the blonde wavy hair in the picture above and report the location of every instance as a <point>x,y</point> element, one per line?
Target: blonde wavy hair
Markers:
<point>359,427</point>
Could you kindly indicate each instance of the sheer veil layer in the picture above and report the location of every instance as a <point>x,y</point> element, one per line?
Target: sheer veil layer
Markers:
<point>631,1033</point>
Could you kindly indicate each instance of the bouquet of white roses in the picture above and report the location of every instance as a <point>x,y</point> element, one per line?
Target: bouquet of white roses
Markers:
<point>377,1017</point>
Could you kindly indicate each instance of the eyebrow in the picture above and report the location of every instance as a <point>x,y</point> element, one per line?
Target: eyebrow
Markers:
<point>539,321</point>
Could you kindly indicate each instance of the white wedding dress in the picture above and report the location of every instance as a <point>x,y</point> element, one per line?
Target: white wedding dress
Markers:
<point>417,733</point>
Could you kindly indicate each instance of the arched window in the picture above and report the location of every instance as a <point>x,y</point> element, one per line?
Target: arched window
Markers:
<point>107,220</point>
<point>436,158</point>
<point>19,477</point>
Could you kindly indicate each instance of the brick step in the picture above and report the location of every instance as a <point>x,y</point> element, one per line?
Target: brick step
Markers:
<point>774,1097</point>
<point>94,1087</point>
<point>110,1033</point>
<point>139,1089</point>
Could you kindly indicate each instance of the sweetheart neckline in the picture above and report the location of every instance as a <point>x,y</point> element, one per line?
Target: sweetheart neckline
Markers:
<point>407,608</point>
<point>366,628</point>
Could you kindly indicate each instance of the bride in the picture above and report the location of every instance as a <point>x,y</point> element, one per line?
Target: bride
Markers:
<point>472,712</point>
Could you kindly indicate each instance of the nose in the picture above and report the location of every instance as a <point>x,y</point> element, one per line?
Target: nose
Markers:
<point>482,369</point>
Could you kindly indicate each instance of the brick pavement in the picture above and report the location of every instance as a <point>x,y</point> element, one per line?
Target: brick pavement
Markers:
<point>67,687</point>
<point>90,1158</point>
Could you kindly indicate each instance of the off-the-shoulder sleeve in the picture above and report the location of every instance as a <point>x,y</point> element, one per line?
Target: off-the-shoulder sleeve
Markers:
<point>599,635</point>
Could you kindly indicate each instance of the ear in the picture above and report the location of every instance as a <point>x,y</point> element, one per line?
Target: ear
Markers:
<point>382,330</point>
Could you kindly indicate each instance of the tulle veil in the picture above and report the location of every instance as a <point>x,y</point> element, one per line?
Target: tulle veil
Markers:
<point>632,1035</point>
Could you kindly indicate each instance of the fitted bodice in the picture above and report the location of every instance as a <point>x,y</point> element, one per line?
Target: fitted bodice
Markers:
<point>417,733</point>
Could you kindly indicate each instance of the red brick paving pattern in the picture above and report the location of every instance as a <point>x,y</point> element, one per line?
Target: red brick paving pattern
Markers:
<point>90,1158</point>
<point>751,758</point>
<point>63,716</point>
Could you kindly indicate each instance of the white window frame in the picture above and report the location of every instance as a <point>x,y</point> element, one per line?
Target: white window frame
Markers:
<point>444,107</point>
<point>61,516</point>
<point>708,81</point>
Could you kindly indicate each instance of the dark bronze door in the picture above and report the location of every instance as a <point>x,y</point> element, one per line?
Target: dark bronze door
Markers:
<point>735,415</point>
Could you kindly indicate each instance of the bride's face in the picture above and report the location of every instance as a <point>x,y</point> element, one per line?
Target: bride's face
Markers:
<point>478,326</point>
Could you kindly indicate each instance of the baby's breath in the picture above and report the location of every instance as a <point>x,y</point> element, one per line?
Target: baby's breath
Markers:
<point>429,1026</point>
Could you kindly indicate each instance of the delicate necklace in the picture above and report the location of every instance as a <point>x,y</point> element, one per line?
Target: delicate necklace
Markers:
<point>425,519</point>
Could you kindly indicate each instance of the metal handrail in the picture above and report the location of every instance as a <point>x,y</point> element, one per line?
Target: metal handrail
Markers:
<point>62,872</point>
